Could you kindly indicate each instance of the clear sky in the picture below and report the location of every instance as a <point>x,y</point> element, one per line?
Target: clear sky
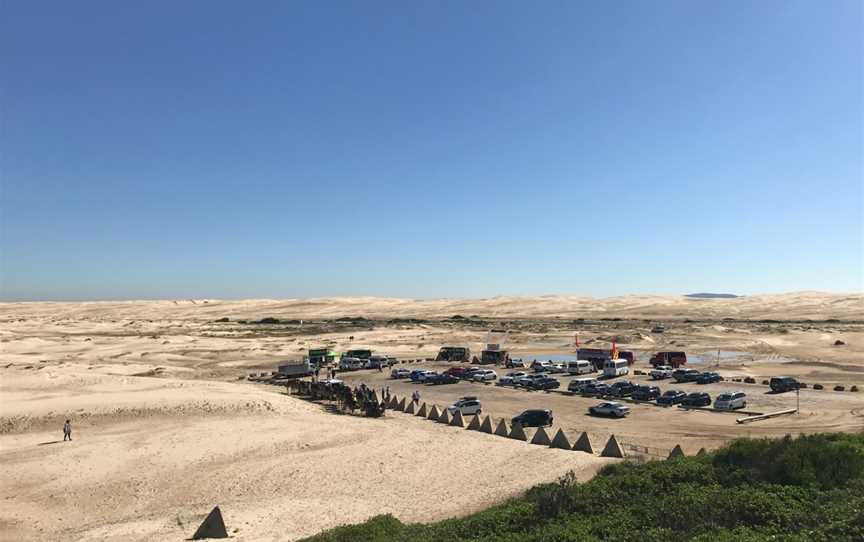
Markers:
<point>430,149</point>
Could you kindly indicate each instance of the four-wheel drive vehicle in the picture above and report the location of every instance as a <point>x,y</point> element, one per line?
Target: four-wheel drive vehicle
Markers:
<point>577,384</point>
<point>697,399</point>
<point>621,389</point>
<point>456,371</point>
<point>674,359</point>
<point>671,397</point>
<point>454,353</point>
<point>545,383</point>
<point>527,379</point>
<point>484,375</point>
<point>511,363</point>
<point>442,378</point>
<point>469,373</point>
<point>686,375</point>
<point>421,375</point>
<point>611,408</point>
<point>467,406</point>
<point>645,393</point>
<point>510,378</point>
<point>400,373</point>
<point>780,384</point>
<point>377,361</point>
<point>348,363</point>
<point>534,418</point>
<point>661,372</point>
<point>557,367</point>
<point>597,389</point>
<point>709,378</point>
<point>731,401</point>
<point>541,366</point>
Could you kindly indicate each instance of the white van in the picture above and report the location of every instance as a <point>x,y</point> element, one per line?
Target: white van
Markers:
<point>578,384</point>
<point>615,367</point>
<point>580,367</point>
<point>731,401</point>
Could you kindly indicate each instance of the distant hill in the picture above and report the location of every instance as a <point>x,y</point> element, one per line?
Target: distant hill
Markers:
<point>711,296</point>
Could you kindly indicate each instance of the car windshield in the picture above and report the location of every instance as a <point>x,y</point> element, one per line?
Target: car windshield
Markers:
<point>724,397</point>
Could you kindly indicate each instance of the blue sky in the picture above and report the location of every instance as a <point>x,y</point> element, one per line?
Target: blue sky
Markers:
<point>430,149</point>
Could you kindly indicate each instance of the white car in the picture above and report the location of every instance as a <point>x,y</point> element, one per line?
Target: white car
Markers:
<point>515,363</point>
<point>578,384</point>
<point>610,408</point>
<point>484,375</point>
<point>661,372</point>
<point>731,401</point>
<point>558,367</point>
<point>400,373</point>
<point>539,365</point>
<point>424,375</point>
<point>510,378</point>
<point>528,379</point>
<point>468,406</point>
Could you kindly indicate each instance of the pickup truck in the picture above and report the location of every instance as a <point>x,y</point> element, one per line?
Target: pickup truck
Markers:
<point>661,372</point>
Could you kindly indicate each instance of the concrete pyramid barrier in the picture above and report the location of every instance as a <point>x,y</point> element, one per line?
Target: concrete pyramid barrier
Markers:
<point>541,437</point>
<point>676,452</point>
<point>517,433</point>
<point>401,405</point>
<point>612,448</point>
<point>486,426</point>
<point>444,417</point>
<point>212,527</point>
<point>392,403</point>
<point>410,408</point>
<point>501,430</point>
<point>423,412</point>
<point>457,420</point>
<point>583,444</point>
<point>474,424</point>
<point>433,413</point>
<point>560,441</point>
<point>701,451</point>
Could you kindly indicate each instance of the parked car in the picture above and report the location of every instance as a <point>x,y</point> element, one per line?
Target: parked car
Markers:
<point>545,383</point>
<point>597,389</point>
<point>469,373</point>
<point>580,367</point>
<point>577,384</point>
<point>697,399</point>
<point>484,375</point>
<point>400,373</point>
<point>781,384</point>
<point>423,375</point>
<point>350,364</point>
<point>731,401</point>
<point>456,371</point>
<point>645,393</point>
<point>415,374</point>
<point>510,378</point>
<point>709,378</point>
<point>610,408</point>
<point>621,389</point>
<point>442,378</point>
<point>468,406</point>
<point>534,418</point>
<point>541,366</point>
<point>376,361</point>
<point>661,372</point>
<point>671,397</point>
<point>528,379</point>
<point>511,363</point>
<point>557,368</point>
<point>686,375</point>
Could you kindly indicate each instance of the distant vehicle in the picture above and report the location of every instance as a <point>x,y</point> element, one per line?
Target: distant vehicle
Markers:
<point>454,353</point>
<point>413,375</point>
<point>557,368</point>
<point>599,356</point>
<point>671,397</point>
<point>610,408</point>
<point>484,375</point>
<point>673,359</point>
<point>621,389</point>
<point>294,369</point>
<point>496,357</point>
<point>456,371</point>
<point>359,354</point>
<point>731,401</point>
<point>511,363</point>
<point>544,383</point>
<point>510,378</point>
<point>534,418</point>
<point>781,384</point>
<point>580,367</point>
<point>578,384</point>
<point>528,379</point>
<point>661,372</point>
<point>708,378</point>
<point>616,367</point>
<point>442,378</point>
<point>658,328</point>
<point>400,373</point>
<point>541,366</point>
<point>645,393</point>
<point>697,399</point>
<point>469,373</point>
<point>423,375</point>
<point>468,406</point>
<point>597,389</point>
<point>686,375</point>
<point>376,361</point>
<point>321,357</point>
<point>350,364</point>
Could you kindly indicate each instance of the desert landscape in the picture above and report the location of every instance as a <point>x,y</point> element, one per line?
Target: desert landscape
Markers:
<point>166,425</point>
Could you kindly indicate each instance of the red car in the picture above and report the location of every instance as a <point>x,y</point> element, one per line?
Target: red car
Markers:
<point>458,372</point>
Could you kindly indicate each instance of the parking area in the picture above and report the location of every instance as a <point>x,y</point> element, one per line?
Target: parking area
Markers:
<point>648,424</point>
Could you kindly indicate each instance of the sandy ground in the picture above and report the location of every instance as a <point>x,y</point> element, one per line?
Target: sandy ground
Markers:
<point>165,428</point>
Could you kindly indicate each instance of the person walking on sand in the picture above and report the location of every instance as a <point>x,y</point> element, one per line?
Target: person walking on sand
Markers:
<point>67,431</point>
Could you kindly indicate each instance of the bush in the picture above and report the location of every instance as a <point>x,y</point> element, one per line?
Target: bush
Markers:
<point>802,385</point>
<point>839,388</point>
<point>853,388</point>
<point>765,382</point>
<point>750,380</point>
<point>818,387</point>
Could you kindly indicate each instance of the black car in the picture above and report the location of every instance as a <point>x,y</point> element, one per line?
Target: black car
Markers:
<point>621,389</point>
<point>671,397</point>
<point>697,399</point>
<point>546,383</point>
<point>709,378</point>
<point>534,418</point>
<point>780,384</point>
<point>645,393</point>
<point>443,378</point>
<point>597,389</point>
